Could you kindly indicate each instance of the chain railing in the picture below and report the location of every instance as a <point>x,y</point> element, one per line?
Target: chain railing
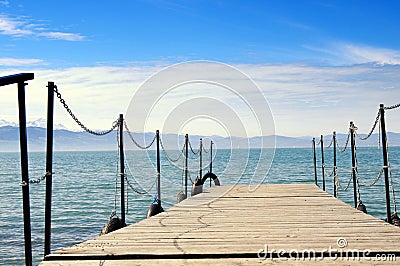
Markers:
<point>169,158</point>
<point>38,180</point>
<point>345,145</point>
<point>85,128</point>
<point>372,129</point>
<point>135,142</point>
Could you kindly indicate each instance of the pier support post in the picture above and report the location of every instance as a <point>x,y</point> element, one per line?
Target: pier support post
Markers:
<point>334,166</point>
<point>211,158</point>
<point>315,162</point>
<point>322,162</point>
<point>385,162</point>
<point>49,167</point>
<point>25,173</point>
<point>122,167</point>
<point>201,159</point>
<point>158,168</point>
<point>353,163</point>
<point>186,163</point>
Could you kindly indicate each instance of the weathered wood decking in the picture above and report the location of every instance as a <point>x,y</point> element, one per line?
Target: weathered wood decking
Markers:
<point>229,225</point>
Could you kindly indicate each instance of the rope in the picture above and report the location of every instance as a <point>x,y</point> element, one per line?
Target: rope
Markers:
<point>168,156</point>
<point>135,142</point>
<point>38,180</point>
<point>345,146</point>
<point>392,107</point>
<point>69,111</point>
<point>372,129</point>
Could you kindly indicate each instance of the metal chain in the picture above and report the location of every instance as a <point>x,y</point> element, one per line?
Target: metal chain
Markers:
<point>333,170</point>
<point>130,173</point>
<point>204,149</point>
<point>375,180</point>
<point>191,148</point>
<point>134,189</point>
<point>330,144</point>
<point>392,107</point>
<point>372,129</point>
<point>339,185</point>
<point>345,145</point>
<point>96,133</point>
<point>168,156</point>
<point>38,180</point>
<point>135,142</point>
<point>319,142</point>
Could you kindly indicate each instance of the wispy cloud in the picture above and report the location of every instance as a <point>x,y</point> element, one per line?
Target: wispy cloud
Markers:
<point>15,62</point>
<point>4,3</point>
<point>25,27</point>
<point>349,54</point>
<point>56,35</point>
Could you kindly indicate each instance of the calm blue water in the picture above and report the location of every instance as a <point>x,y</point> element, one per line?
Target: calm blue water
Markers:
<point>84,188</point>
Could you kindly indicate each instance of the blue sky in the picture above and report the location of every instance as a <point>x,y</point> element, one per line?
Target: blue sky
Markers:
<point>323,59</point>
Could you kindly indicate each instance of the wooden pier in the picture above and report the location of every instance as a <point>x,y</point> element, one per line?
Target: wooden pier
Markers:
<point>231,225</point>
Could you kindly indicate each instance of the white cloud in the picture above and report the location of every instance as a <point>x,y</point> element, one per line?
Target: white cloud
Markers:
<point>305,100</point>
<point>349,54</point>
<point>364,54</point>
<point>7,62</point>
<point>23,27</point>
<point>62,36</point>
<point>4,3</point>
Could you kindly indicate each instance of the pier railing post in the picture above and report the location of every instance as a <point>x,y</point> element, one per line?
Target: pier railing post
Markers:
<point>201,159</point>
<point>315,162</point>
<point>49,167</point>
<point>211,158</point>
<point>334,166</point>
<point>353,162</point>
<point>385,161</point>
<point>25,173</point>
<point>158,168</point>
<point>322,162</point>
<point>186,162</point>
<point>122,167</point>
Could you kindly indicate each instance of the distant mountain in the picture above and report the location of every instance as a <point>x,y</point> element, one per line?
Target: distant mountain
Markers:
<point>41,122</point>
<point>66,140</point>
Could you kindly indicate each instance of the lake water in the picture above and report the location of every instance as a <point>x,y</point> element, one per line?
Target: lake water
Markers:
<point>84,186</point>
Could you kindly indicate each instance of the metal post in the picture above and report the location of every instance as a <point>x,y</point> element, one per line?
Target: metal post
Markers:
<point>334,165</point>
<point>201,159</point>
<point>323,163</point>
<point>122,167</point>
<point>49,167</point>
<point>315,162</point>
<point>186,162</point>
<point>211,158</point>
<point>353,162</point>
<point>385,162</point>
<point>158,168</point>
<point>25,173</point>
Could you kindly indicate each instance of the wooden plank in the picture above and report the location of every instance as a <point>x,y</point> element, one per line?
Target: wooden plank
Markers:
<point>232,223</point>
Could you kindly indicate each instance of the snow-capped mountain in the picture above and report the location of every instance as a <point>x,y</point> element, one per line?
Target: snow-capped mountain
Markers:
<point>41,122</point>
